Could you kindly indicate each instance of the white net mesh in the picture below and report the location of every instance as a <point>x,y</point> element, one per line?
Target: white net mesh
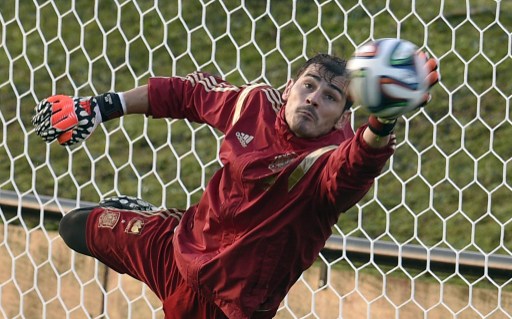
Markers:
<point>447,187</point>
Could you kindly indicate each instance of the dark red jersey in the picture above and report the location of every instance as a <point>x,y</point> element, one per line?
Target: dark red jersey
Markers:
<point>267,213</point>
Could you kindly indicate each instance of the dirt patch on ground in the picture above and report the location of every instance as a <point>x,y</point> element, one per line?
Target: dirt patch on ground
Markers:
<point>41,278</point>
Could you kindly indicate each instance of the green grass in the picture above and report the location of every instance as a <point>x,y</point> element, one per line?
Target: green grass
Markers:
<point>450,178</point>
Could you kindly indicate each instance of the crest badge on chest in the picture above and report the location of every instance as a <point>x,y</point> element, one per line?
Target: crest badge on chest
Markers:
<point>281,161</point>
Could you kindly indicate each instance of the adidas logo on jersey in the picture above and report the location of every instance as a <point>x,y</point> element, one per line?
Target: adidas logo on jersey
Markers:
<point>244,139</point>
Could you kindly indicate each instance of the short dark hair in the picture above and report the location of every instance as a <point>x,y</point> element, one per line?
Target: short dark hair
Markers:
<point>332,66</point>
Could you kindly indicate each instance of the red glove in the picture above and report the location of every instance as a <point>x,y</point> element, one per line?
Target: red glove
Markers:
<point>71,120</point>
<point>68,119</point>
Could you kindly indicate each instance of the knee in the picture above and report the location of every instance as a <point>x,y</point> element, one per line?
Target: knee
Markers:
<point>72,229</point>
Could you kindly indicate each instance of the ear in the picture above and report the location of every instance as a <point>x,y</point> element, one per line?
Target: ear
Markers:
<point>287,89</point>
<point>343,120</point>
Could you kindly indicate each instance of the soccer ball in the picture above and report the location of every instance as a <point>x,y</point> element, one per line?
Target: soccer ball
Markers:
<point>388,77</point>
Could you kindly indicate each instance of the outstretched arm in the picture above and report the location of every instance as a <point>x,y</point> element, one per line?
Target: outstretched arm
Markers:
<point>136,100</point>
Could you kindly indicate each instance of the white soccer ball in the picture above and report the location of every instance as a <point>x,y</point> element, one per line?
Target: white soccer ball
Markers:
<point>388,77</point>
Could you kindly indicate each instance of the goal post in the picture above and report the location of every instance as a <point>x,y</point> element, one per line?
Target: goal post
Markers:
<point>445,190</point>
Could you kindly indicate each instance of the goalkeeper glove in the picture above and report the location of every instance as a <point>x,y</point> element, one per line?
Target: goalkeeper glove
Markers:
<point>71,120</point>
<point>127,203</point>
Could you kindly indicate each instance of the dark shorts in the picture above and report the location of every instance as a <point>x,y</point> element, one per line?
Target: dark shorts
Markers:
<point>140,244</point>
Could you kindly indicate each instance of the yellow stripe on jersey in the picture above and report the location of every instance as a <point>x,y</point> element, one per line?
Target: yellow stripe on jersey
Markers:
<point>304,166</point>
<point>274,97</point>
<point>209,82</point>
<point>241,99</point>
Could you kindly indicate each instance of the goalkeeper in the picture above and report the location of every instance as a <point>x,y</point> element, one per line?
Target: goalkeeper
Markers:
<point>291,165</point>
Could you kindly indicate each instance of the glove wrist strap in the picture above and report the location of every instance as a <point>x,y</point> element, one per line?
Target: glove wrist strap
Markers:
<point>379,128</point>
<point>109,106</point>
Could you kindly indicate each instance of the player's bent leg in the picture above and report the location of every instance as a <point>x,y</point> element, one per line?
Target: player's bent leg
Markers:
<point>130,236</point>
<point>72,229</point>
<point>135,242</point>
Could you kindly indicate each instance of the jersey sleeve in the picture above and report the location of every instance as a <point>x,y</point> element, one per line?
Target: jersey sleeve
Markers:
<point>198,97</point>
<point>351,170</point>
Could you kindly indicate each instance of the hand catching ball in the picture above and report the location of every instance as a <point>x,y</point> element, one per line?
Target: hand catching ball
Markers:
<point>390,77</point>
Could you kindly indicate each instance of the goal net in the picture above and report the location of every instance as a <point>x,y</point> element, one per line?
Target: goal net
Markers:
<point>440,204</point>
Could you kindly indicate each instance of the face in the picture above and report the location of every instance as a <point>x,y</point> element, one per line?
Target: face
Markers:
<point>314,105</point>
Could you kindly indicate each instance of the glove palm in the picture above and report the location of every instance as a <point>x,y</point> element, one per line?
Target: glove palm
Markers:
<point>70,120</point>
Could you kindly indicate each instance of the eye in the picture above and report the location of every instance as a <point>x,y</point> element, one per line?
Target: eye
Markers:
<point>308,85</point>
<point>332,96</point>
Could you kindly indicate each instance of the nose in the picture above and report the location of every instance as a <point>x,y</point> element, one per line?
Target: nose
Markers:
<point>312,98</point>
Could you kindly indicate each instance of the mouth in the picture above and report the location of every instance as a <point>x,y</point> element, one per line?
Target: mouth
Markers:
<point>307,114</point>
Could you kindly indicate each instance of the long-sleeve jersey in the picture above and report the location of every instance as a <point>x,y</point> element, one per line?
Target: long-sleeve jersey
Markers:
<point>268,211</point>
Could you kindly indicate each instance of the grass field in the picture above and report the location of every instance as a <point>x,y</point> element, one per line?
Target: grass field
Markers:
<point>447,186</point>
